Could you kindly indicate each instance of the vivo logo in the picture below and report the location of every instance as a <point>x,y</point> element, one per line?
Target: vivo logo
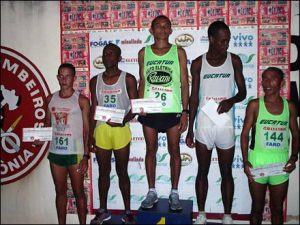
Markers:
<point>241,37</point>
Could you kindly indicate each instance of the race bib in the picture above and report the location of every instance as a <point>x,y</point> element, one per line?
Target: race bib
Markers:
<point>274,138</point>
<point>110,101</point>
<point>163,94</point>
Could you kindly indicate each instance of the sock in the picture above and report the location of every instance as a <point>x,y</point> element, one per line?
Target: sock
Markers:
<point>202,213</point>
<point>227,215</point>
<point>102,209</point>
<point>174,191</point>
<point>152,189</point>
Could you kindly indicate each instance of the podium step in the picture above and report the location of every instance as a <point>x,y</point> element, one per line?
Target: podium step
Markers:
<point>161,214</point>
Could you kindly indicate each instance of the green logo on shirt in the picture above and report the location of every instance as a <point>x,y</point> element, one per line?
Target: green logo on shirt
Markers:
<point>159,78</point>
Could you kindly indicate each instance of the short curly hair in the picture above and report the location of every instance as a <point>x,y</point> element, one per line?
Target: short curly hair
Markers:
<point>215,27</point>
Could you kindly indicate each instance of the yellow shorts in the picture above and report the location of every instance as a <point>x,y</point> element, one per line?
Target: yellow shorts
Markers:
<point>112,138</point>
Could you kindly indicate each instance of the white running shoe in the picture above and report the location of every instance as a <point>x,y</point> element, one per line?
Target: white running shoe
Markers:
<point>201,219</point>
<point>227,219</point>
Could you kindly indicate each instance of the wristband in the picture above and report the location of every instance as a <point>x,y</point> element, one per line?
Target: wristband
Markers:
<point>186,111</point>
<point>87,156</point>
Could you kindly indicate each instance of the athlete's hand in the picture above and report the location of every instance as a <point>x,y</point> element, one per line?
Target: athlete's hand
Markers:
<point>37,142</point>
<point>189,139</point>
<point>91,144</point>
<point>112,124</point>
<point>183,123</point>
<point>290,166</point>
<point>225,106</point>
<point>247,167</point>
<point>83,165</point>
<point>142,113</point>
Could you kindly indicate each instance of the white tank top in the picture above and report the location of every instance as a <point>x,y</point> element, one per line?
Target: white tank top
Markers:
<point>67,125</point>
<point>216,83</point>
<point>114,95</point>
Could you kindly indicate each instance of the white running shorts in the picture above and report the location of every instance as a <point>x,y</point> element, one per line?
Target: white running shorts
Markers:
<point>215,136</point>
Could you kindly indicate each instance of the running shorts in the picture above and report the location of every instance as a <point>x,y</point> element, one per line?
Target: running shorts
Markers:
<point>215,136</point>
<point>160,121</point>
<point>64,160</point>
<point>262,158</point>
<point>112,138</point>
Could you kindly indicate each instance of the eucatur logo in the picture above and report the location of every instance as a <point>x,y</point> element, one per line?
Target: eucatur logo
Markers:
<point>23,94</point>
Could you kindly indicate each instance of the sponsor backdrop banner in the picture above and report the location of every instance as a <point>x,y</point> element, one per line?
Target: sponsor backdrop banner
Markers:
<point>195,43</point>
<point>260,35</point>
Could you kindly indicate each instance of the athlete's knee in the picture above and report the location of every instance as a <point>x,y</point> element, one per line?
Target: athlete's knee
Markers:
<point>79,194</point>
<point>202,175</point>
<point>257,211</point>
<point>61,190</point>
<point>257,207</point>
<point>227,178</point>
<point>122,173</point>
<point>124,181</point>
<point>276,210</point>
<point>226,173</point>
<point>104,172</point>
<point>174,146</point>
<point>174,151</point>
<point>203,170</point>
<point>151,152</point>
<point>175,155</point>
<point>151,145</point>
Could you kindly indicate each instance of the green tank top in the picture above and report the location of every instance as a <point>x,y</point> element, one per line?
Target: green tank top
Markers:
<point>162,79</point>
<point>271,132</point>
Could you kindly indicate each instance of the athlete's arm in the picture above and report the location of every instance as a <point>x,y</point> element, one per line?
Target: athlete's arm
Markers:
<point>194,100</point>
<point>227,104</point>
<point>47,120</point>
<point>94,103</point>
<point>131,86</point>
<point>291,164</point>
<point>141,87</point>
<point>250,119</point>
<point>85,110</point>
<point>48,113</point>
<point>184,88</point>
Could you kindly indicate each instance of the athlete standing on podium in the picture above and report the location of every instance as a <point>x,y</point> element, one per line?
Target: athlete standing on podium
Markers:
<point>163,75</point>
